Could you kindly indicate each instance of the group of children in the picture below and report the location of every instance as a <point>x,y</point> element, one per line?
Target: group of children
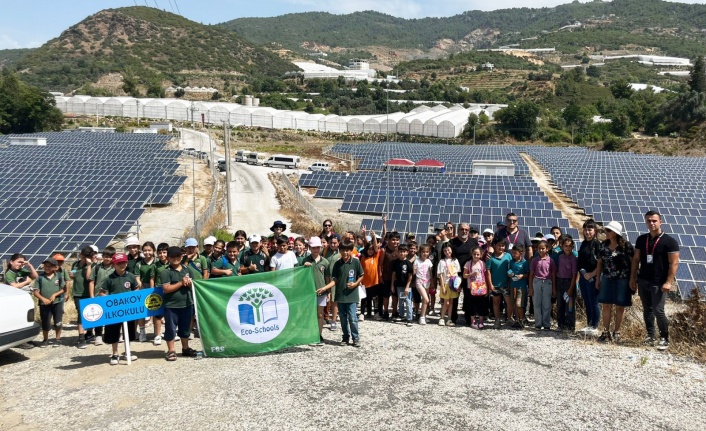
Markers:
<point>348,269</point>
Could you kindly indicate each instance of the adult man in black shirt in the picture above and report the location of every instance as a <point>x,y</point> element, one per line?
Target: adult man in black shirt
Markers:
<point>514,235</point>
<point>462,246</point>
<point>657,259</point>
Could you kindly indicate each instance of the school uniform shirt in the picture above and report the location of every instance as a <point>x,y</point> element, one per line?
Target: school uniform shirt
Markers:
<point>498,267</point>
<point>17,276</point>
<point>287,260</point>
<point>343,272</point>
<point>543,268</point>
<point>48,286</point>
<point>116,283</point>
<point>402,268</point>
<point>81,280</point>
<point>102,272</point>
<point>225,264</point>
<point>567,265</point>
<point>196,266</point>
<point>133,264</point>
<point>300,258</point>
<point>660,248</point>
<point>147,272</point>
<point>180,298</point>
<point>322,270</point>
<point>159,267</point>
<point>518,268</point>
<point>333,259</point>
<point>259,259</point>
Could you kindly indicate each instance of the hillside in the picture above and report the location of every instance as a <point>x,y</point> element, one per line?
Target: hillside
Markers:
<point>150,45</point>
<point>673,28</point>
<point>10,56</point>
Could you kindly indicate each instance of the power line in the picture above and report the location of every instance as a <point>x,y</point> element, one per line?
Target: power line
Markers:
<point>177,6</point>
<point>155,4</point>
<point>170,6</point>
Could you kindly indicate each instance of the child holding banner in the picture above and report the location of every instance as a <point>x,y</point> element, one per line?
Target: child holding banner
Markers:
<point>322,276</point>
<point>119,281</point>
<point>178,304</point>
<point>347,275</point>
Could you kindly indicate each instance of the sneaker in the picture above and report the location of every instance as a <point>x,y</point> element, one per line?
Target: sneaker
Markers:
<point>321,341</point>
<point>605,337</point>
<point>377,317</point>
<point>594,332</point>
<point>333,326</point>
<point>422,321</point>
<point>157,340</point>
<point>474,324</point>
<point>123,357</point>
<point>648,341</point>
<point>616,337</point>
<point>496,325</point>
<point>517,325</point>
<point>344,342</point>
<point>81,343</point>
<point>431,313</point>
<point>142,337</point>
<point>99,340</point>
<point>409,323</point>
<point>481,324</point>
<point>57,343</point>
<point>114,360</point>
<point>663,344</point>
<point>584,331</point>
<point>361,318</point>
<point>44,344</point>
<point>90,338</point>
<point>386,317</point>
<point>450,323</point>
<point>356,343</point>
<point>441,322</point>
<point>396,319</point>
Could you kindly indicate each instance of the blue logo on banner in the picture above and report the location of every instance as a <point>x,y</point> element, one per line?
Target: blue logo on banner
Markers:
<point>123,307</point>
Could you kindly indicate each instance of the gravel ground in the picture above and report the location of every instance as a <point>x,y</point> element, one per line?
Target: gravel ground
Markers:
<point>420,377</point>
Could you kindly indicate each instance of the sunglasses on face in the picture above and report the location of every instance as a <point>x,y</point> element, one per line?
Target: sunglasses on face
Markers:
<point>511,220</point>
<point>327,225</point>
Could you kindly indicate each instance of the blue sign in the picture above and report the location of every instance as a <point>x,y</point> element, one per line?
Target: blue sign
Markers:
<point>122,307</point>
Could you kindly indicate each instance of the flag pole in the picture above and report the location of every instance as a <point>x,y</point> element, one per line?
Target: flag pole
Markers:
<point>126,338</point>
<point>196,316</point>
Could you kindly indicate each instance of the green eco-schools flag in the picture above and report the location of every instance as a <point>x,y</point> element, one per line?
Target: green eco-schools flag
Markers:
<point>257,313</point>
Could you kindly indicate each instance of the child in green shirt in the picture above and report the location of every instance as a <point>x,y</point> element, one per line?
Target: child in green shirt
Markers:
<point>49,289</point>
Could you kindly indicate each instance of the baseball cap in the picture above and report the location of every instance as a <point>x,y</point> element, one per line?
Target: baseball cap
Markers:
<point>489,230</point>
<point>51,261</point>
<point>191,242</point>
<point>209,240</point>
<point>130,241</point>
<point>119,258</point>
<point>500,223</point>
<point>174,251</point>
<point>59,257</point>
<point>315,241</point>
<point>94,248</point>
<point>254,238</point>
<point>473,229</point>
<point>549,236</point>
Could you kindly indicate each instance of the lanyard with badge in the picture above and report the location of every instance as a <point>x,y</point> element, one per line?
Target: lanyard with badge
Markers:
<point>650,254</point>
<point>510,245</point>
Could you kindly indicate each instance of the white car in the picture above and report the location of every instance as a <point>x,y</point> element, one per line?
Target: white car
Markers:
<point>319,166</point>
<point>17,325</point>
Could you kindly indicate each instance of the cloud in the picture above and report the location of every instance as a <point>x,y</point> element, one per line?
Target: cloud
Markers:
<point>8,42</point>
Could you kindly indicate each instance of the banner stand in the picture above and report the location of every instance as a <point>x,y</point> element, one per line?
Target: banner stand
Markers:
<point>126,338</point>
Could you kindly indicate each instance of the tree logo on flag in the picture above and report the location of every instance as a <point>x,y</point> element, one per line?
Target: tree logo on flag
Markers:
<point>257,312</point>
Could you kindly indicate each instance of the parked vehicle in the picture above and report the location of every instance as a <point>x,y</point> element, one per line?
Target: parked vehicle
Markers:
<point>319,166</point>
<point>242,155</point>
<point>17,325</point>
<point>222,165</point>
<point>256,159</point>
<point>283,161</point>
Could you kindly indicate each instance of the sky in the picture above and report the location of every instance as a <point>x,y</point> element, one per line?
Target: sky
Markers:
<point>31,24</point>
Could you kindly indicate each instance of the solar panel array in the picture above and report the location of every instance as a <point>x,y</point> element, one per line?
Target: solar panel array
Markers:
<point>419,200</point>
<point>456,158</point>
<point>80,189</point>
<point>623,186</point>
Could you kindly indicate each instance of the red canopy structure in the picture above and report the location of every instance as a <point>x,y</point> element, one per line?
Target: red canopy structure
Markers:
<point>429,163</point>
<point>399,163</point>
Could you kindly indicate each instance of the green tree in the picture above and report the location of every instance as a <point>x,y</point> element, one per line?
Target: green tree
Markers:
<point>519,119</point>
<point>26,109</point>
<point>697,76</point>
<point>620,89</point>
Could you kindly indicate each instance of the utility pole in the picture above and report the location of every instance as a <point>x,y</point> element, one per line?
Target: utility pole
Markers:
<point>226,144</point>
<point>137,111</point>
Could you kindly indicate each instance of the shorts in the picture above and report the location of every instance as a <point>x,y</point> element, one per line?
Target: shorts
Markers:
<point>517,295</point>
<point>55,311</point>
<point>112,332</point>
<point>177,321</point>
<point>504,291</point>
<point>615,292</point>
<point>321,300</point>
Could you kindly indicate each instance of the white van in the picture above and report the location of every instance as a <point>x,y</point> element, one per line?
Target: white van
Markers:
<point>256,159</point>
<point>282,161</point>
<point>17,325</point>
<point>242,155</point>
<point>319,166</point>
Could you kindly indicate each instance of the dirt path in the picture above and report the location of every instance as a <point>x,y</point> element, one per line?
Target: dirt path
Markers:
<point>569,209</point>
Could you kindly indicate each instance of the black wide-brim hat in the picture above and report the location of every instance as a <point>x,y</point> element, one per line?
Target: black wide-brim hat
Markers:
<point>280,224</point>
